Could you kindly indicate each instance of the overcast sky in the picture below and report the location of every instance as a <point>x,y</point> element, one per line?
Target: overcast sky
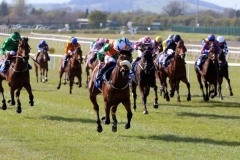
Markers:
<point>235,4</point>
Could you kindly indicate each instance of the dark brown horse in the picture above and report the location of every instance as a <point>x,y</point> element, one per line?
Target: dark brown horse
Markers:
<point>176,72</point>
<point>144,77</point>
<point>18,76</point>
<point>209,75</point>
<point>115,90</point>
<point>42,65</point>
<point>88,66</point>
<point>223,72</point>
<point>73,69</point>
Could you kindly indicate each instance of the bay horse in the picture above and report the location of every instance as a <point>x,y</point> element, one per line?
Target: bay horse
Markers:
<point>209,75</point>
<point>176,72</point>
<point>115,90</point>
<point>144,78</point>
<point>88,66</point>
<point>42,64</point>
<point>223,72</point>
<point>18,76</point>
<point>72,70</point>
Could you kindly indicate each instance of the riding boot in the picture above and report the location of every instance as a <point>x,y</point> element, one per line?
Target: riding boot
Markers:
<point>37,56</point>
<point>102,71</point>
<point>94,57</point>
<point>48,57</point>
<point>5,65</point>
<point>66,58</point>
<point>166,61</point>
<point>134,63</point>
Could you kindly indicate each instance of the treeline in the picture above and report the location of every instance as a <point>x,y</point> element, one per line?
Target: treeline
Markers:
<point>21,13</point>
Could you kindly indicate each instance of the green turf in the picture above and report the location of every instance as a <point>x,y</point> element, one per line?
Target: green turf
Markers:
<point>62,126</point>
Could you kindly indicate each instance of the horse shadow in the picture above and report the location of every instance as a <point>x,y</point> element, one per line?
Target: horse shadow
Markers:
<point>60,118</point>
<point>210,116</point>
<point>176,138</point>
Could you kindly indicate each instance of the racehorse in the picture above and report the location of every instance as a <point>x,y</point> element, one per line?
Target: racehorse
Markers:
<point>209,75</point>
<point>115,90</point>
<point>42,64</point>
<point>176,72</point>
<point>73,69</point>
<point>144,77</point>
<point>18,76</point>
<point>223,72</point>
<point>88,66</point>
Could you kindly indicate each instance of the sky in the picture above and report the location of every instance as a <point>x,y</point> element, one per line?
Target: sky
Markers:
<point>223,3</point>
<point>235,4</point>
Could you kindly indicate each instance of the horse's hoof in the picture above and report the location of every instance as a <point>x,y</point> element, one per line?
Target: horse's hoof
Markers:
<point>114,128</point>
<point>19,111</point>
<point>231,94</point>
<point>4,107</point>
<point>145,112</point>
<point>31,103</point>
<point>58,87</point>
<point>127,126</point>
<point>99,128</point>
<point>188,98</point>
<point>155,105</point>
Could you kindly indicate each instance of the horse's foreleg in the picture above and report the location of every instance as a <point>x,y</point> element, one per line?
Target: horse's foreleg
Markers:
<point>36,71</point>
<point>4,106</point>
<point>12,101</point>
<point>220,80</point>
<point>71,79</point>
<point>41,74</point>
<point>144,93</point>
<point>19,108</point>
<point>134,94</point>
<point>87,74</point>
<point>114,117</point>
<point>127,105</point>
<point>206,97</point>
<point>79,80</point>
<point>200,84</point>
<point>229,85</point>
<point>155,105</point>
<point>29,90</point>
<point>60,79</point>
<point>46,75</point>
<point>188,87</point>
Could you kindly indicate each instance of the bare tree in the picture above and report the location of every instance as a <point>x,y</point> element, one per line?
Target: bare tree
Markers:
<point>175,8</point>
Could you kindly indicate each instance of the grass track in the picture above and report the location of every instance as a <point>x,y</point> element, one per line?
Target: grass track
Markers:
<point>62,126</point>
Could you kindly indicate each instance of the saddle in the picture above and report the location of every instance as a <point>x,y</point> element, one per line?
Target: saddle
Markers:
<point>106,76</point>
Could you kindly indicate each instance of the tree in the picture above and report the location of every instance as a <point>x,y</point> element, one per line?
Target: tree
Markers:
<point>96,18</point>
<point>4,9</point>
<point>175,8</point>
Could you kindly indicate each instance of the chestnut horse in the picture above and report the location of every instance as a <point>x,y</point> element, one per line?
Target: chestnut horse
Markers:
<point>223,72</point>
<point>176,72</point>
<point>73,69</point>
<point>115,90</point>
<point>209,75</point>
<point>88,66</point>
<point>18,76</point>
<point>42,64</point>
<point>144,77</point>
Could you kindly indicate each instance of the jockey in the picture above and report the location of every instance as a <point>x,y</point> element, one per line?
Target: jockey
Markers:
<point>170,49</point>
<point>110,51</point>
<point>96,46</point>
<point>223,46</point>
<point>42,45</point>
<point>159,42</point>
<point>143,44</point>
<point>206,44</point>
<point>129,45</point>
<point>9,48</point>
<point>70,47</point>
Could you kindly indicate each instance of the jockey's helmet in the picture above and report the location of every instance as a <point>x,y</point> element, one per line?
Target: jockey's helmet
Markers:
<point>74,40</point>
<point>15,36</point>
<point>170,36</point>
<point>119,45</point>
<point>43,42</point>
<point>146,40</point>
<point>220,39</point>
<point>176,38</point>
<point>158,39</point>
<point>101,40</point>
<point>126,40</point>
<point>211,37</point>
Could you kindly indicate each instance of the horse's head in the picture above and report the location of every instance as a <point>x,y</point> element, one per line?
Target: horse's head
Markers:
<point>77,54</point>
<point>124,61</point>
<point>146,62</point>
<point>181,49</point>
<point>23,48</point>
<point>213,54</point>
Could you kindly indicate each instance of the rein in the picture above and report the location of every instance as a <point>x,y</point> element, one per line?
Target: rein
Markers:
<point>17,70</point>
